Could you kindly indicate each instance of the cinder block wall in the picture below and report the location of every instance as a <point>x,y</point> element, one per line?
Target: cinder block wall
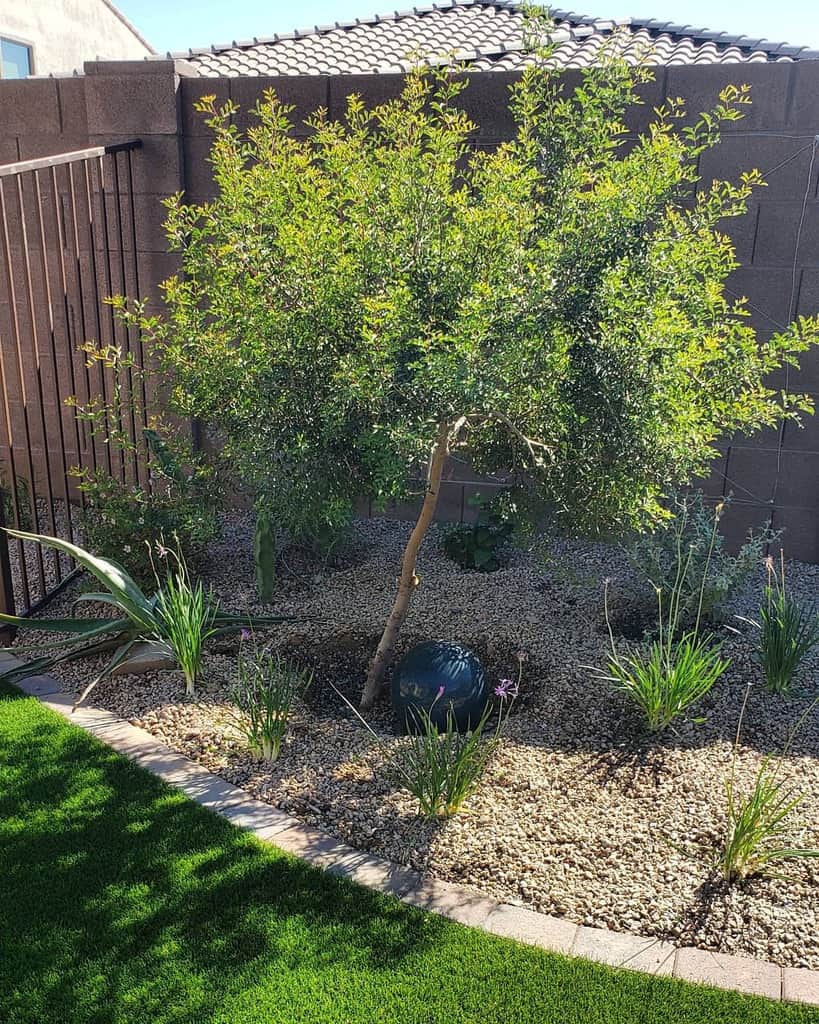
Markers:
<point>40,117</point>
<point>773,475</point>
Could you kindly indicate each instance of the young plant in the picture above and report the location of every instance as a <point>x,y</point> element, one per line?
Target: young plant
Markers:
<point>787,632</point>
<point>477,545</point>
<point>674,671</point>
<point>151,484</point>
<point>668,678</point>
<point>758,831</point>
<point>442,769</point>
<point>711,574</point>
<point>264,694</point>
<point>138,620</point>
<point>15,500</point>
<point>186,613</point>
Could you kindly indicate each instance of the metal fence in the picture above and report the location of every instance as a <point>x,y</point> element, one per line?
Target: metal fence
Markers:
<point>68,240</point>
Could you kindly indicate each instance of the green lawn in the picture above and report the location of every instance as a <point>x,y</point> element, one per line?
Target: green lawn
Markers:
<point>120,900</point>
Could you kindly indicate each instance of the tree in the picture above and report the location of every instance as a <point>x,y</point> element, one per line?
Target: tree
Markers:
<point>366,300</point>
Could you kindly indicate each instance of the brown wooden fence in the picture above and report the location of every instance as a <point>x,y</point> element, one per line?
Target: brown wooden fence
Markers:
<point>68,240</point>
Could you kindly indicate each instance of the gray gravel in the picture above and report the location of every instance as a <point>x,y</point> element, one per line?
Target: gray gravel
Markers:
<point>580,812</point>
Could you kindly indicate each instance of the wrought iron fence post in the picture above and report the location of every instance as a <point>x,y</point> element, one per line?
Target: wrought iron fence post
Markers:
<point>7,606</point>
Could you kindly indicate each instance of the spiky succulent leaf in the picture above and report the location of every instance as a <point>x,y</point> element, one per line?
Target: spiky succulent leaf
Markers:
<point>110,574</point>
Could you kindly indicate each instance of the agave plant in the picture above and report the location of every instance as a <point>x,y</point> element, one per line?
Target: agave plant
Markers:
<point>140,619</point>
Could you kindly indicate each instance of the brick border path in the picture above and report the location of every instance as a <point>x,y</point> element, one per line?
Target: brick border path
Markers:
<point>617,949</point>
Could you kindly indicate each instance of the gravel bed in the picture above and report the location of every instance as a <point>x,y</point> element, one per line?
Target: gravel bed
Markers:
<point>581,813</point>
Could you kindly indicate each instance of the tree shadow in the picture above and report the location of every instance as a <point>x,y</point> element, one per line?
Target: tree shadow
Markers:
<point>138,891</point>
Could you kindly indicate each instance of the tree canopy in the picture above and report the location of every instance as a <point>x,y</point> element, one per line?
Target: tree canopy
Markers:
<point>361,301</point>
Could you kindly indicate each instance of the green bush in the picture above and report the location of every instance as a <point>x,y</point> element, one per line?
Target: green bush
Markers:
<point>709,575</point>
<point>477,545</point>
<point>122,519</point>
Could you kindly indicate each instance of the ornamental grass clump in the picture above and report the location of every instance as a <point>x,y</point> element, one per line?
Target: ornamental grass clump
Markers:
<point>186,613</point>
<point>677,669</point>
<point>441,769</point>
<point>787,632</point>
<point>265,691</point>
<point>667,678</point>
<point>759,829</point>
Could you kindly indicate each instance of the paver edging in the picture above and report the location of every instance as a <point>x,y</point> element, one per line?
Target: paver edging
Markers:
<point>616,949</point>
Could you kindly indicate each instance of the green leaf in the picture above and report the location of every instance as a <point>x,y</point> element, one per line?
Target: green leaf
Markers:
<point>104,627</point>
<point>48,662</point>
<point>55,625</point>
<point>111,574</point>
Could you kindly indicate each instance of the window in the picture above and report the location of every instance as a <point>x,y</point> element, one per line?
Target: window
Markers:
<point>15,59</point>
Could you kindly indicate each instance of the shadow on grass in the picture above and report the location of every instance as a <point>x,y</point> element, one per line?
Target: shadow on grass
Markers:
<point>130,877</point>
<point>121,902</point>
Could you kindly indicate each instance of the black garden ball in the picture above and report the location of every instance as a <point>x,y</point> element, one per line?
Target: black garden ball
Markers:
<point>419,676</point>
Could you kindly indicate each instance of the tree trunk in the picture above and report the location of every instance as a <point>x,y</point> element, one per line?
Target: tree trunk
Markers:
<point>408,581</point>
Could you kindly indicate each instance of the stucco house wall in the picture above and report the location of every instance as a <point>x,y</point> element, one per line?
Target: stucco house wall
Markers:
<point>65,33</point>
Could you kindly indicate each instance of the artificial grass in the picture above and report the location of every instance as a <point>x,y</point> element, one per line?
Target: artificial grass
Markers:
<point>122,901</point>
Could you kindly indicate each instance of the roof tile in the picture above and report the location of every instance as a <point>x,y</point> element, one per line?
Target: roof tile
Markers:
<point>485,34</point>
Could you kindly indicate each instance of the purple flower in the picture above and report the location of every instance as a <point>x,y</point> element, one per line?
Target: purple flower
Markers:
<point>506,689</point>
<point>441,691</point>
<point>245,634</point>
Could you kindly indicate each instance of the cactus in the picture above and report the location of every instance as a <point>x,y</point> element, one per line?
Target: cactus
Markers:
<point>264,554</point>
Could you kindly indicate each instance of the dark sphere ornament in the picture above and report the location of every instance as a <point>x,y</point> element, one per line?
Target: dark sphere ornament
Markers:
<point>421,673</point>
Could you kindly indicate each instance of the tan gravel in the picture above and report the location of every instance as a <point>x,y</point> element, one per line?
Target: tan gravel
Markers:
<point>581,812</point>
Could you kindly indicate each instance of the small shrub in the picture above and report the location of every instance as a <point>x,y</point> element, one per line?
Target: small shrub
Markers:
<point>122,519</point>
<point>477,545</point>
<point>264,694</point>
<point>186,614</point>
<point>758,831</point>
<point>673,672</point>
<point>788,631</point>
<point>687,537</point>
<point>667,678</point>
